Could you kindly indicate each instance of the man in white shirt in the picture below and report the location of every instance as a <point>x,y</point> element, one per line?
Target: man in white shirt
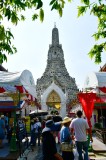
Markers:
<point>80,127</point>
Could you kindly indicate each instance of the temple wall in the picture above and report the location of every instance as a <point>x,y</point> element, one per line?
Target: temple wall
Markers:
<point>45,95</point>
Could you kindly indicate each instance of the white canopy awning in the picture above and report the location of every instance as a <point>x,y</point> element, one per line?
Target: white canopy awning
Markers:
<point>9,80</point>
<point>95,80</point>
<point>38,112</point>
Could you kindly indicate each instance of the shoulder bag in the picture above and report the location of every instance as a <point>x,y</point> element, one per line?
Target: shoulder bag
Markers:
<point>66,146</point>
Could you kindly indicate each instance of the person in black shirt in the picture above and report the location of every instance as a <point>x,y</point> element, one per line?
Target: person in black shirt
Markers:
<point>57,118</point>
<point>48,141</point>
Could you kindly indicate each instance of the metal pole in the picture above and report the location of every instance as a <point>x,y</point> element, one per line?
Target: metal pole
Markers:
<point>13,147</point>
<point>101,109</point>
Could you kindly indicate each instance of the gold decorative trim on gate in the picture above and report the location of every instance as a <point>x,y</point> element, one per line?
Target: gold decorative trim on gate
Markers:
<point>53,100</point>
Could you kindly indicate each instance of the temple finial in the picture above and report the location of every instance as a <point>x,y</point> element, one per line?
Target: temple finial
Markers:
<point>54,24</point>
<point>55,35</point>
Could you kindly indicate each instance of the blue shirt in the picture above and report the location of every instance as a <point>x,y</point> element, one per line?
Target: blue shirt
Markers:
<point>2,131</point>
<point>65,134</point>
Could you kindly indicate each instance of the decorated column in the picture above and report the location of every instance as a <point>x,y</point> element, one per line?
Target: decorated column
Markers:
<point>87,100</point>
<point>16,99</point>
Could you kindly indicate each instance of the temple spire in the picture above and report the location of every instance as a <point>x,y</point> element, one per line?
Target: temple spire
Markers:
<point>54,24</point>
<point>55,35</point>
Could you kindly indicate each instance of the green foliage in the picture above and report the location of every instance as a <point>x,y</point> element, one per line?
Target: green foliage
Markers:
<point>39,4</point>
<point>41,14</point>
<point>98,9</point>
<point>58,5</point>
<point>53,112</point>
<point>11,10</point>
<point>96,51</point>
<point>98,35</point>
<point>98,125</point>
<point>5,44</point>
<point>85,2</point>
<point>81,10</point>
<point>34,16</point>
<point>22,18</point>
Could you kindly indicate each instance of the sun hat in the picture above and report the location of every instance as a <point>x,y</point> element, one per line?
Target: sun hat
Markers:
<point>32,120</point>
<point>36,119</point>
<point>66,120</point>
<point>51,126</point>
<point>2,116</point>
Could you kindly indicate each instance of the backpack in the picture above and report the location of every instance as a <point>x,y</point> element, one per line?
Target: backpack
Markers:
<point>39,129</point>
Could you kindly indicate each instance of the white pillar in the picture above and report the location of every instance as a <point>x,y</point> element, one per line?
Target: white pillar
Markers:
<point>63,109</point>
<point>44,106</point>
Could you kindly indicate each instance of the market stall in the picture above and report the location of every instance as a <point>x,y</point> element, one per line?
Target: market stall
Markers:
<point>14,89</point>
<point>93,100</point>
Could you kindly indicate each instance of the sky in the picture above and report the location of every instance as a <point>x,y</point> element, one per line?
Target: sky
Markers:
<point>32,39</point>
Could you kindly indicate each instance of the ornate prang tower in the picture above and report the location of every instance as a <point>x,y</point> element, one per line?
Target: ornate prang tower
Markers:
<point>56,88</point>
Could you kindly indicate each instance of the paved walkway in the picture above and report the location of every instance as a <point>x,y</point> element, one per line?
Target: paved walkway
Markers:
<point>35,153</point>
<point>98,146</point>
<point>99,150</point>
<point>5,153</point>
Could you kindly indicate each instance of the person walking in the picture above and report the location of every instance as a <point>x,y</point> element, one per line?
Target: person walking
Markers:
<point>2,130</point>
<point>6,118</point>
<point>65,136</point>
<point>32,133</point>
<point>80,127</point>
<point>37,130</point>
<point>48,141</point>
<point>57,118</point>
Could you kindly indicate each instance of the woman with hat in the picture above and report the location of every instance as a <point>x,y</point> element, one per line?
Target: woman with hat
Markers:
<point>48,141</point>
<point>65,136</point>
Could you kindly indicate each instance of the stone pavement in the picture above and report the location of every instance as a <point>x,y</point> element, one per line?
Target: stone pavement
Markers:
<point>35,153</point>
<point>98,146</point>
<point>5,153</point>
<point>99,150</point>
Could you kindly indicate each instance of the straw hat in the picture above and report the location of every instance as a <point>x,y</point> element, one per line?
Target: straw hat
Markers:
<point>66,120</point>
<point>2,116</point>
<point>32,121</point>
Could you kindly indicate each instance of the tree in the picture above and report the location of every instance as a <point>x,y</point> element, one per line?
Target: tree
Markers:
<point>12,10</point>
<point>98,9</point>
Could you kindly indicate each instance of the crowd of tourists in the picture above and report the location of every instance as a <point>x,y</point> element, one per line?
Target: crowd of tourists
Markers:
<point>6,129</point>
<point>72,131</point>
<point>69,132</point>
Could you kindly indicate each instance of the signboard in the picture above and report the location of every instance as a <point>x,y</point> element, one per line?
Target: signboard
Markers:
<point>27,124</point>
<point>11,121</point>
